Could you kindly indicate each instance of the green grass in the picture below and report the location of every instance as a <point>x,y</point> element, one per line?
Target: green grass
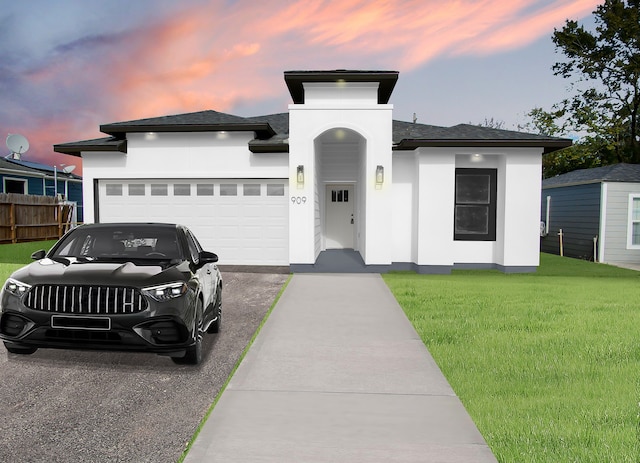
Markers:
<point>20,253</point>
<point>547,364</point>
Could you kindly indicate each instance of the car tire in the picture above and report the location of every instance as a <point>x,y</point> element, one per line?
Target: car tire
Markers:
<point>19,348</point>
<point>216,326</point>
<point>193,356</point>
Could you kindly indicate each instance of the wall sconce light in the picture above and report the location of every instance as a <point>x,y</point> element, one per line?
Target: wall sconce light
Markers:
<point>379,175</point>
<point>300,176</point>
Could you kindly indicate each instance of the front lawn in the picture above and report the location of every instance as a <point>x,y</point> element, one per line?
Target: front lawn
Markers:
<point>20,253</point>
<point>547,364</point>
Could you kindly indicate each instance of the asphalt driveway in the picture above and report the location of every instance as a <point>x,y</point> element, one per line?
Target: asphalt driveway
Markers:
<point>70,406</point>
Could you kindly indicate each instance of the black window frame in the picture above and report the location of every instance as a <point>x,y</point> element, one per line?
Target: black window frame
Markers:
<point>491,205</point>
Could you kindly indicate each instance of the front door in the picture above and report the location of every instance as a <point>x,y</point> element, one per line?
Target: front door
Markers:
<point>339,218</point>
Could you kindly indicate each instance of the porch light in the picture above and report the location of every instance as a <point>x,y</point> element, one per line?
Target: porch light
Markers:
<point>300,176</point>
<point>379,175</point>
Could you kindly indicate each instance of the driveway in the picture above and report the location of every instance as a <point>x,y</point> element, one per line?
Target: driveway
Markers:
<point>70,406</point>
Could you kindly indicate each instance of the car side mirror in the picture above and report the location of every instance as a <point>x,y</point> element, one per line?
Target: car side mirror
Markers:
<point>41,254</point>
<point>206,257</point>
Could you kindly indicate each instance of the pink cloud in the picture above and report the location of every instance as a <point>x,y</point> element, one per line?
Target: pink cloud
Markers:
<point>220,54</point>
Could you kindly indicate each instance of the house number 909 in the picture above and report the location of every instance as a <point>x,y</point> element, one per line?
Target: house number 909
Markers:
<point>298,199</point>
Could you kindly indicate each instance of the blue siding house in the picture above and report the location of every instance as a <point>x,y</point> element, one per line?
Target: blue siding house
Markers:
<point>30,178</point>
<point>598,211</point>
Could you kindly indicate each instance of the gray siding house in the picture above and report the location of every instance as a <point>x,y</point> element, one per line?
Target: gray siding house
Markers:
<point>598,211</point>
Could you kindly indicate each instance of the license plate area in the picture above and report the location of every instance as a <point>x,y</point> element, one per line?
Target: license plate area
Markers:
<point>81,323</point>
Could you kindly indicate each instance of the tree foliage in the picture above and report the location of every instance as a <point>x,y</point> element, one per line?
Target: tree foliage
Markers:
<point>604,68</point>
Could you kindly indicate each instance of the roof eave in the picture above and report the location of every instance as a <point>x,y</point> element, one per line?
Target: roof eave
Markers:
<point>386,80</point>
<point>549,146</point>
<point>262,130</point>
<point>77,149</point>
<point>257,148</point>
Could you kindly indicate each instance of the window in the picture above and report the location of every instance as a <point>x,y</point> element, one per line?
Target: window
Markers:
<point>275,189</point>
<point>159,189</point>
<point>114,189</point>
<point>339,196</point>
<point>13,185</point>
<point>633,233</point>
<point>251,189</point>
<point>182,189</point>
<point>228,189</point>
<point>136,189</point>
<point>204,189</point>
<point>475,207</point>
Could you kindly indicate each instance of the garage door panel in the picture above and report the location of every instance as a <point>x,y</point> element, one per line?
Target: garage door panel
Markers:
<point>242,230</point>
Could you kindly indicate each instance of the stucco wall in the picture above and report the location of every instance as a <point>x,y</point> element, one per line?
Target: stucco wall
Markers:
<point>181,155</point>
<point>329,108</point>
<point>423,211</point>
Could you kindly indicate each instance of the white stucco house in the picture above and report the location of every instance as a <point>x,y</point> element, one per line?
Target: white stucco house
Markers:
<point>334,173</point>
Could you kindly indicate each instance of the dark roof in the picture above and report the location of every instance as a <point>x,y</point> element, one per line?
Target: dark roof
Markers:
<point>34,169</point>
<point>13,165</point>
<point>272,133</point>
<point>296,79</point>
<point>279,143</point>
<point>97,144</point>
<point>202,121</point>
<point>614,173</point>
<point>409,136</point>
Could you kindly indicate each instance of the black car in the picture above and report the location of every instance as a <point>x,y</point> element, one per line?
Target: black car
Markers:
<point>124,286</point>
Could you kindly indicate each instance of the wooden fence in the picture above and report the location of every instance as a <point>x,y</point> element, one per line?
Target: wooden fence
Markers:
<point>32,218</point>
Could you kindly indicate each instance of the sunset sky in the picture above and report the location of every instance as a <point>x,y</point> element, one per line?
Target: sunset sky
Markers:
<point>70,65</point>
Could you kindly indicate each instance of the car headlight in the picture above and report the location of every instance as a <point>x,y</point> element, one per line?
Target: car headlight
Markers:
<point>166,292</point>
<point>15,287</point>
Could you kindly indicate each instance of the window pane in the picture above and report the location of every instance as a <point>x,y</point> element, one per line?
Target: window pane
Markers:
<point>228,189</point>
<point>251,189</point>
<point>136,189</point>
<point>205,189</point>
<point>472,220</point>
<point>474,189</point>
<point>114,189</point>
<point>182,189</point>
<point>15,186</point>
<point>275,189</point>
<point>159,189</point>
<point>635,234</point>
<point>636,209</point>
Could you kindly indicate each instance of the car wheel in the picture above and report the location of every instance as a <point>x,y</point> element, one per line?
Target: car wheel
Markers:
<point>193,356</point>
<point>216,326</point>
<point>19,348</point>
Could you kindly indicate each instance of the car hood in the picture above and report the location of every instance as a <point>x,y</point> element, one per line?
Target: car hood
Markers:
<point>75,272</point>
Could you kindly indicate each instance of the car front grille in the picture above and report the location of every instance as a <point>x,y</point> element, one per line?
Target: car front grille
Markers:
<point>81,299</point>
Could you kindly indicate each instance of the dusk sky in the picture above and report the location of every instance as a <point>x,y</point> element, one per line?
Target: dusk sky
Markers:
<point>70,65</point>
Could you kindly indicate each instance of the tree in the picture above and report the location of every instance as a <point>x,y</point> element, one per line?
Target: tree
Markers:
<point>604,66</point>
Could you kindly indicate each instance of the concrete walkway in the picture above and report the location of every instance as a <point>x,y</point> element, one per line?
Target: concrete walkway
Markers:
<point>338,374</point>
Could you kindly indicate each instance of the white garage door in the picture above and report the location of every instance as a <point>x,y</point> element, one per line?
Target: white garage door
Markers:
<point>244,221</point>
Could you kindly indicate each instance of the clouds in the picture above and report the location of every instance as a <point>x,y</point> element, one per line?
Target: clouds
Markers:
<point>94,62</point>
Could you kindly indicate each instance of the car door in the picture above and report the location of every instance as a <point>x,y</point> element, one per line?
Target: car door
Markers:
<point>205,273</point>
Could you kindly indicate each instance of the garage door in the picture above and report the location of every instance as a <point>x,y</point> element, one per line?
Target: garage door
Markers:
<point>244,221</point>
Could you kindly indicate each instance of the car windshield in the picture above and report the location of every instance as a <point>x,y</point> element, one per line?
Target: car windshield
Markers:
<point>120,243</point>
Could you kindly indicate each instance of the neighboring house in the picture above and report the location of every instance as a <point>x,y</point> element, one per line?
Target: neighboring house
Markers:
<point>598,211</point>
<point>335,172</point>
<point>32,178</point>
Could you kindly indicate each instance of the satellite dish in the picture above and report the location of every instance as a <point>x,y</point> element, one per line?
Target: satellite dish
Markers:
<point>68,169</point>
<point>17,144</point>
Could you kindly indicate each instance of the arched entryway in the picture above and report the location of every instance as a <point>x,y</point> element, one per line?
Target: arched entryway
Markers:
<point>339,157</point>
